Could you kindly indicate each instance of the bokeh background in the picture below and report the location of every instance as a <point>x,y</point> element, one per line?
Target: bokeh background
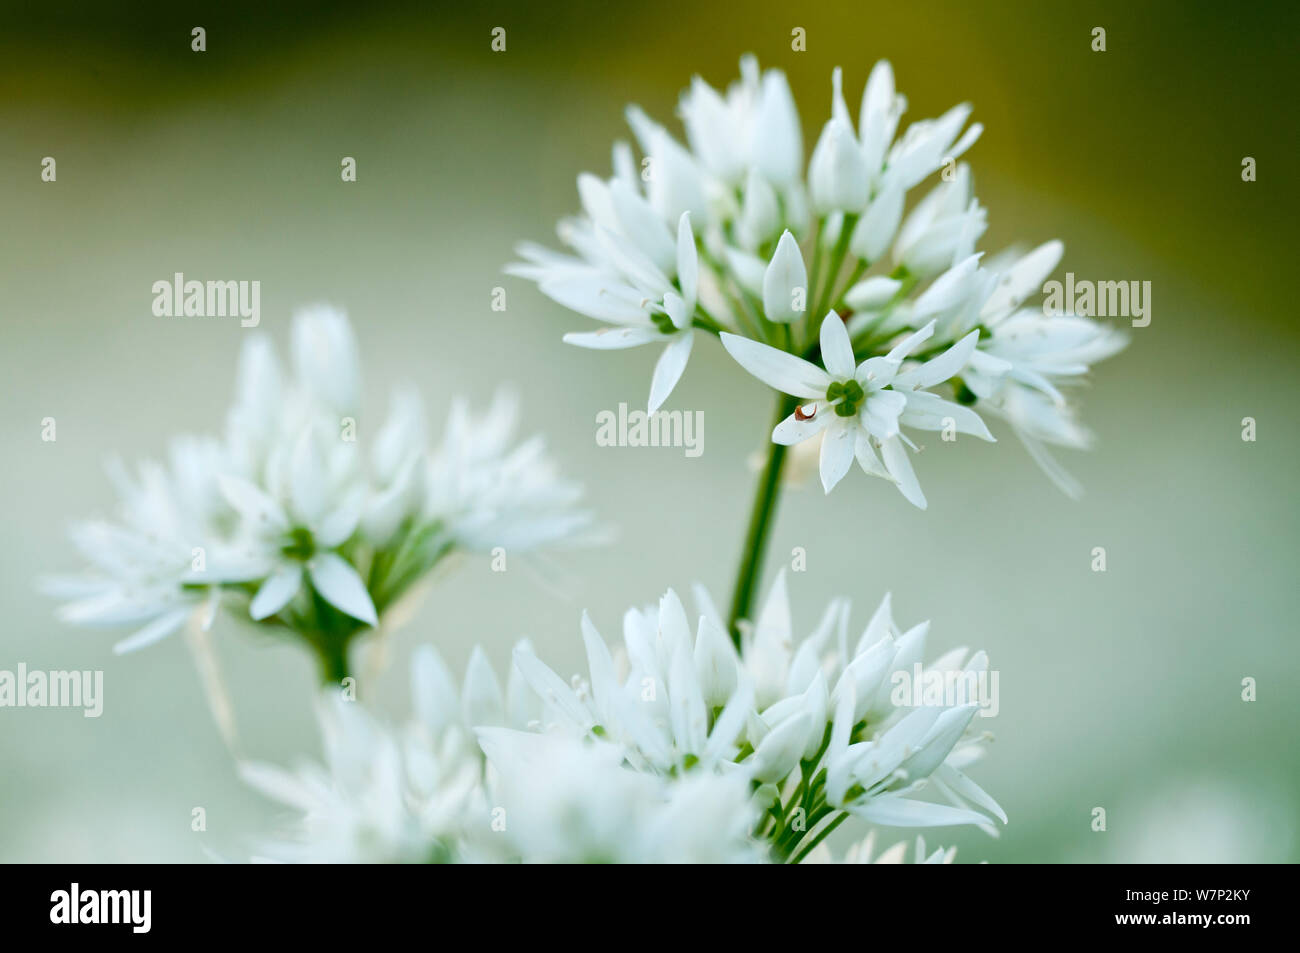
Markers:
<point>1119,689</point>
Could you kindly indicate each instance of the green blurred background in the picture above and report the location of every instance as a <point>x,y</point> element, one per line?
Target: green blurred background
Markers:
<point>1119,690</point>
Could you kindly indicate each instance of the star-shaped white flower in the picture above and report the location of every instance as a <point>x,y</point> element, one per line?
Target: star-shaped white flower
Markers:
<point>299,536</point>
<point>630,289</point>
<point>861,407</point>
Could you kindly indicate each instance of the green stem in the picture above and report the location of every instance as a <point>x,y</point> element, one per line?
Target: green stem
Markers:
<point>858,270</point>
<point>761,518</point>
<point>820,836</point>
<point>836,263</point>
<point>332,657</point>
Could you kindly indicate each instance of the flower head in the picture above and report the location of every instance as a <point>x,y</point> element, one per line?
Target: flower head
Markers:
<point>290,519</point>
<point>726,234</point>
<point>779,712</point>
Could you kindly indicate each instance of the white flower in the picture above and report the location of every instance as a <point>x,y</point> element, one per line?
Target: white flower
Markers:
<point>671,701</point>
<point>426,793</point>
<point>737,200</point>
<point>876,754</point>
<point>161,564</point>
<point>760,213</point>
<point>839,178</point>
<point>878,225</point>
<point>679,706</point>
<point>676,748</point>
<point>288,505</point>
<point>479,701</point>
<point>1025,357</point>
<point>326,360</point>
<point>785,283</point>
<point>565,800</point>
<point>311,508</point>
<point>632,276</point>
<point>485,491</point>
<point>862,406</point>
<point>382,796</point>
<point>943,228</point>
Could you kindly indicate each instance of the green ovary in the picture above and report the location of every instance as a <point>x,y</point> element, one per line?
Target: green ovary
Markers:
<point>850,395</point>
<point>299,544</point>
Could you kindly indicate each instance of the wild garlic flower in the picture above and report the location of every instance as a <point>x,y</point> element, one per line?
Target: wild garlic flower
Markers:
<point>382,796</point>
<point>1026,356</point>
<point>166,559</point>
<point>861,407</point>
<point>673,748</point>
<point>559,798</point>
<point>290,520</point>
<point>814,726</point>
<point>727,234</point>
<point>427,793</point>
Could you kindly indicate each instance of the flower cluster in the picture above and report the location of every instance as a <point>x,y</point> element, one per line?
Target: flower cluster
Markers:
<point>816,281</point>
<point>674,747</point>
<point>288,518</point>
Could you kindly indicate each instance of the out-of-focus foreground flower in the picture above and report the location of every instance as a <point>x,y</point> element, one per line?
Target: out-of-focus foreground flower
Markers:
<point>297,523</point>
<point>674,747</point>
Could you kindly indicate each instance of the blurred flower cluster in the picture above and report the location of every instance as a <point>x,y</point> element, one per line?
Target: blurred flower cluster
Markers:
<point>674,747</point>
<point>294,521</point>
<point>817,282</point>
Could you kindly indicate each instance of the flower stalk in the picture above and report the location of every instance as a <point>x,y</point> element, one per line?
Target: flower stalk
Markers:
<point>761,518</point>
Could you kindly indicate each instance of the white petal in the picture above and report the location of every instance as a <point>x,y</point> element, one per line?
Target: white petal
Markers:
<point>910,343</point>
<point>279,785</point>
<point>642,225</point>
<point>939,369</point>
<point>747,269</point>
<point>878,117</point>
<point>900,468</point>
<point>598,296</point>
<point>433,689</point>
<point>338,526</point>
<point>784,372</point>
<point>1024,278</point>
<point>776,144</point>
<point>866,455</point>
<point>838,177</point>
<point>275,593</point>
<point>794,429</point>
<point>893,811</point>
<point>785,282</point>
<point>613,339</point>
<point>308,493</point>
<point>837,349</point>
<point>878,225</point>
<point>837,453</point>
<point>600,666</point>
<point>552,689</point>
<point>688,263</point>
<point>483,702</point>
<point>872,294</point>
<point>340,586</point>
<point>968,789</point>
<point>155,631</point>
<point>716,663</point>
<point>948,289</point>
<point>779,751</point>
<point>931,412</point>
<point>669,368</point>
<point>253,504</point>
